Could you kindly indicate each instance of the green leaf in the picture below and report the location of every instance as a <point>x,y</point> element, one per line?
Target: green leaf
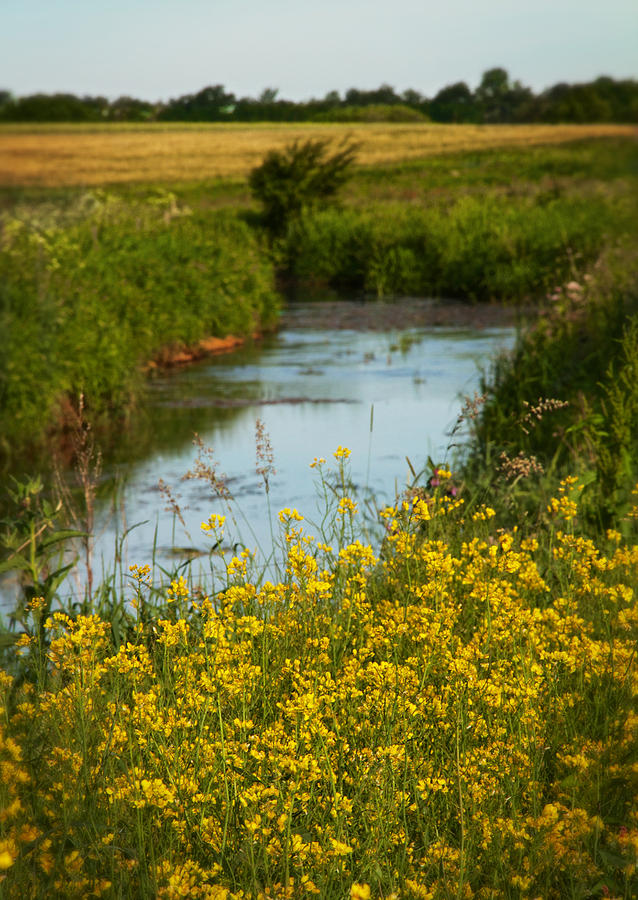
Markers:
<point>7,639</point>
<point>15,562</point>
<point>63,535</point>
<point>56,578</point>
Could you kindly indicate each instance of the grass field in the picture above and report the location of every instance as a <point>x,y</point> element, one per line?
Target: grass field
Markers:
<point>67,155</point>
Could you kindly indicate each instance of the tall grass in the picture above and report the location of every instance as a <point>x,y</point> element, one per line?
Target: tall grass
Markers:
<point>567,398</point>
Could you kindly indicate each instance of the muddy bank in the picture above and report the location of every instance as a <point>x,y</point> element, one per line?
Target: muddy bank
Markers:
<point>174,357</point>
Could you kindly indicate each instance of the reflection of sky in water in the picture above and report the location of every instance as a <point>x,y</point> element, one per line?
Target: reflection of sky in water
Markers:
<point>313,390</point>
<point>331,380</point>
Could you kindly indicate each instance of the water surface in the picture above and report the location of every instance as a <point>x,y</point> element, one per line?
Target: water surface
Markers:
<point>385,394</point>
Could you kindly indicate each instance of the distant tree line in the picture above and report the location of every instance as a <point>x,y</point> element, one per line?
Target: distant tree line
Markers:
<point>497,99</point>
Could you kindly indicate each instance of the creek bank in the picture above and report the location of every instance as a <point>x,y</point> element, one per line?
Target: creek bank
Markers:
<point>171,357</point>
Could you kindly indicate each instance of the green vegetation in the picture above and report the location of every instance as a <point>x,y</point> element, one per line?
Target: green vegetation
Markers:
<point>567,400</point>
<point>298,180</point>
<point>575,168</point>
<point>454,716</point>
<point>94,286</point>
<point>92,291</point>
<point>375,112</point>
<point>504,225</point>
<point>449,714</point>
<point>479,248</point>
<point>496,99</point>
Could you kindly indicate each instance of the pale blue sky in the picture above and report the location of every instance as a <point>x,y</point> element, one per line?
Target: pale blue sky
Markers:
<point>156,49</point>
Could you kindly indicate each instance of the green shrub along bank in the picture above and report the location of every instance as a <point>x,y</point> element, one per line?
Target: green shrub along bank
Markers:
<point>91,293</point>
<point>566,401</point>
<point>479,247</point>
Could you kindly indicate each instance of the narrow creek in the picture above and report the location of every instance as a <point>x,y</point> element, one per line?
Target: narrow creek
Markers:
<point>385,381</point>
<point>386,387</point>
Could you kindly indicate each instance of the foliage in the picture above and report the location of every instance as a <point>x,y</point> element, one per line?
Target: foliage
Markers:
<point>298,178</point>
<point>451,718</point>
<point>211,104</point>
<point>498,100</point>
<point>35,547</point>
<point>91,294</point>
<point>495,99</point>
<point>379,112</point>
<point>567,398</point>
<point>454,103</point>
<point>481,248</point>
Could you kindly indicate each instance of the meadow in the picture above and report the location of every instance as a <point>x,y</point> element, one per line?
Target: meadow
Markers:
<point>444,708</point>
<point>90,155</point>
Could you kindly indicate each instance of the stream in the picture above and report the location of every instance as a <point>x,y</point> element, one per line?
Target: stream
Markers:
<point>388,386</point>
<point>323,380</point>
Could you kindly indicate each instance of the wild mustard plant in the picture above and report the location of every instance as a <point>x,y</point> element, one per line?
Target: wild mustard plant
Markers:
<point>447,716</point>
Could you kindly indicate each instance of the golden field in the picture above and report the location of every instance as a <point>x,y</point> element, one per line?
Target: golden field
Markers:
<point>67,155</point>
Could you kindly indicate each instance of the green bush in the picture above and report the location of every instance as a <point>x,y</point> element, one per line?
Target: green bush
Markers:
<point>298,178</point>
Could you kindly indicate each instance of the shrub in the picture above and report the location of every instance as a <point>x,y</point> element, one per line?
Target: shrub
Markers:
<point>478,248</point>
<point>297,178</point>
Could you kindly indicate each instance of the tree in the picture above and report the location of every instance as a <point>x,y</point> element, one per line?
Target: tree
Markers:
<point>412,98</point>
<point>129,109</point>
<point>499,99</point>
<point>56,108</point>
<point>211,104</point>
<point>454,103</point>
<point>383,94</point>
<point>332,98</point>
<point>297,178</point>
<point>268,95</point>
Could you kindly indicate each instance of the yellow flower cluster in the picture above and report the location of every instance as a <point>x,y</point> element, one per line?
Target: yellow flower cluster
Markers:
<point>565,506</point>
<point>451,717</point>
<point>215,523</point>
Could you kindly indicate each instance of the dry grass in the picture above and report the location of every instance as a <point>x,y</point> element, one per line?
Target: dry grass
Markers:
<point>91,155</point>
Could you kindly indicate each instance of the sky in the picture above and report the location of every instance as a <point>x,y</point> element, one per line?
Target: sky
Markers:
<point>158,49</point>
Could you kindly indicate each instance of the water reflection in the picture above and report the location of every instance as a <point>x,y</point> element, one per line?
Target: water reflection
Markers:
<point>386,394</point>
<point>314,388</point>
